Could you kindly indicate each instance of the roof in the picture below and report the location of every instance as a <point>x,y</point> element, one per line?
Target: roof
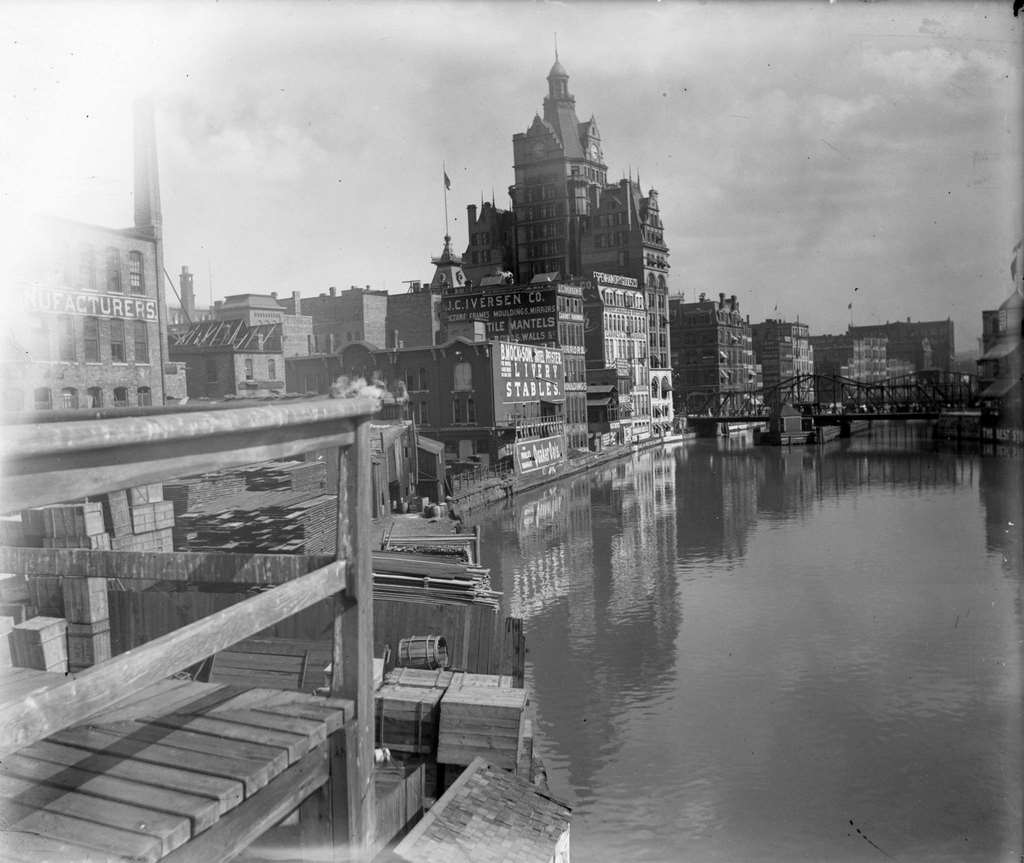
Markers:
<point>430,445</point>
<point>234,335</point>
<point>385,434</point>
<point>999,388</point>
<point>252,301</point>
<point>558,70</point>
<point>488,816</point>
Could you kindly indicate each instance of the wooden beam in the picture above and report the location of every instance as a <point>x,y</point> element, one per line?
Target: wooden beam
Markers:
<point>77,699</point>
<point>352,673</point>
<point>97,456</point>
<point>193,567</point>
<point>236,830</point>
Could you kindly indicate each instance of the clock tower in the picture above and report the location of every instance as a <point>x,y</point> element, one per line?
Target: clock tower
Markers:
<point>559,174</point>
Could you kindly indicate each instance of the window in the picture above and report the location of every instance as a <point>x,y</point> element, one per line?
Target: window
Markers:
<point>136,281</point>
<point>424,380</point>
<point>145,397</point>
<point>66,338</point>
<point>91,331</point>
<point>423,413</point>
<point>117,340</point>
<point>14,400</point>
<point>87,266</point>
<point>113,271</point>
<point>272,370</point>
<point>141,341</point>
<point>312,383</point>
<point>120,397</point>
<point>462,377</point>
<point>42,399</point>
<point>69,397</point>
<point>248,370</point>
<point>95,397</point>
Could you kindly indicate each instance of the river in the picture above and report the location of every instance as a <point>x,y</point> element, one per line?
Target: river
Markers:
<point>752,653</point>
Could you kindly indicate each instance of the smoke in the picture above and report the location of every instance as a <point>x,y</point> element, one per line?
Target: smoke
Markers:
<point>350,388</point>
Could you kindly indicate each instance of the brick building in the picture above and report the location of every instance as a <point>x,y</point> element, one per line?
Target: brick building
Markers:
<point>859,358</point>
<point>1001,364</point>
<point>615,330</point>
<point>925,344</point>
<point>342,317</point>
<point>783,350</point>
<point>232,358</point>
<point>712,352</point>
<point>88,326</point>
<point>491,248</point>
<point>256,310</point>
<point>489,403</point>
<point>414,318</point>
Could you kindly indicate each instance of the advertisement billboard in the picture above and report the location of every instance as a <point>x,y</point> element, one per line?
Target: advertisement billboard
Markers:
<point>525,314</point>
<point>537,454</point>
<point>527,373</point>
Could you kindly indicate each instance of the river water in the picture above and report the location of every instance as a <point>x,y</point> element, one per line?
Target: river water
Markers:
<point>750,653</point>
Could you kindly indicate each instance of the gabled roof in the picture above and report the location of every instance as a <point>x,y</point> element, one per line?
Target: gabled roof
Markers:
<point>235,335</point>
<point>488,816</point>
<point>429,444</point>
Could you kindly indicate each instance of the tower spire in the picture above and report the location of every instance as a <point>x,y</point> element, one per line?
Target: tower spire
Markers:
<point>556,46</point>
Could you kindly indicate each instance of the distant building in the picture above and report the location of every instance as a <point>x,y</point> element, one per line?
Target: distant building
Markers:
<point>491,248</point>
<point>414,318</point>
<point>180,318</point>
<point>88,325</point>
<point>859,358</point>
<point>296,329</point>
<point>488,403</point>
<point>783,350</point>
<point>232,358</point>
<point>615,330</point>
<point>1001,364</point>
<point>712,352</point>
<point>925,344</point>
<point>342,317</point>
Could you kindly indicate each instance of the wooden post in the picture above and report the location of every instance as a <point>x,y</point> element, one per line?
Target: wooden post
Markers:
<point>352,671</point>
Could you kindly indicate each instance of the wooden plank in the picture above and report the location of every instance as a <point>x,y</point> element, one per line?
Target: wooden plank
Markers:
<point>261,661</point>
<point>253,777</point>
<point>77,699</point>
<point>47,837</point>
<point>311,729</point>
<point>97,456</point>
<point>201,811</point>
<point>192,567</point>
<point>164,696</point>
<point>332,712</point>
<point>269,760</point>
<point>19,683</point>
<point>234,832</point>
<point>295,744</point>
<point>170,831</point>
<point>226,793</point>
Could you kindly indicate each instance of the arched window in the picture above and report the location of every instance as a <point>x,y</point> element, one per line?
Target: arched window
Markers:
<point>95,397</point>
<point>14,400</point>
<point>120,397</point>
<point>136,279</point>
<point>42,399</point>
<point>661,283</point>
<point>91,333</point>
<point>114,271</point>
<point>69,397</point>
<point>651,281</point>
<point>655,389</point>
<point>145,397</point>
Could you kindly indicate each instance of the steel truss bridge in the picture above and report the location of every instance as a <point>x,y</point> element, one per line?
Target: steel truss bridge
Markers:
<point>833,398</point>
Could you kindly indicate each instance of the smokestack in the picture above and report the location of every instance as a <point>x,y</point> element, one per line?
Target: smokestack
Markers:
<point>333,291</point>
<point>273,295</point>
<point>147,180</point>
<point>297,302</point>
<point>188,293</point>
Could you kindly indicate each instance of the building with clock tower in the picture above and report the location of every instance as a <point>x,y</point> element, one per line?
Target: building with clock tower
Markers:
<point>559,174</point>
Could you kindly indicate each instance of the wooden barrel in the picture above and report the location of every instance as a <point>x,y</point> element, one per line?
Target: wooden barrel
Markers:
<point>422,651</point>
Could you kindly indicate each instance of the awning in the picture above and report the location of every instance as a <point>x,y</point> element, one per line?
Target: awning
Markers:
<point>998,352</point>
<point>599,402</point>
<point>429,444</point>
<point>998,389</point>
<point>551,401</point>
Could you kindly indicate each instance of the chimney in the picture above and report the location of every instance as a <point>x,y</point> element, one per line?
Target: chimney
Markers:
<point>297,302</point>
<point>367,287</point>
<point>733,300</point>
<point>273,295</point>
<point>147,180</point>
<point>721,300</point>
<point>333,291</point>
<point>188,293</point>
<point>471,212</point>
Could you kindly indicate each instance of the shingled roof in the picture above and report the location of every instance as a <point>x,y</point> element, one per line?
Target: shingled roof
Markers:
<point>488,816</point>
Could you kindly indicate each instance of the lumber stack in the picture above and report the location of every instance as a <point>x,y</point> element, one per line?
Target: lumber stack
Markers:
<point>307,477</point>
<point>40,643</point>
<point>193,491</point>
<point>479,719</point>
<point>88,616</point>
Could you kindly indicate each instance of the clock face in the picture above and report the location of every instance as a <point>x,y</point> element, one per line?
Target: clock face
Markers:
<point>595,152</point>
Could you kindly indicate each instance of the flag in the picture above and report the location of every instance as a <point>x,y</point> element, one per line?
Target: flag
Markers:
<point>850,306</point>
<point>447,181</point>
<point>1013,262</point>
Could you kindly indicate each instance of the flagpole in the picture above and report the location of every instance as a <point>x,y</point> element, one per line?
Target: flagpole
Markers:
<point>444,182</point>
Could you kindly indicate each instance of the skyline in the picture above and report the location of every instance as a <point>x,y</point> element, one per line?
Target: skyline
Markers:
<point>807,156</point>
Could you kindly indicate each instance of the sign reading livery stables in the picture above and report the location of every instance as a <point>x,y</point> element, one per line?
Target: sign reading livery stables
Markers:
<point>528,315</point>
<point>526,373</point>
<point>38,299</point>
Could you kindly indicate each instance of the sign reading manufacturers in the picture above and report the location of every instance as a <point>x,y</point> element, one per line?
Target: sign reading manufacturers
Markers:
<point>534,455</point>
<point>528,373</point>
<point>59,302</point>
<point>528,315</point>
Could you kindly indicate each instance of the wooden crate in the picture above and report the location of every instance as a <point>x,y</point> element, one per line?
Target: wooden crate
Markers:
<point>6,625</point>
<point>460,679</point>
<point>407,717</point>
<point>430,678</point>
<point>481,720</point>
<point>88,644</point>
<point>117,514</point>
<point>47,595</point>
<point>40,643</point>
<point>85,599</point>
<point>97,541</point>
<point>151,493</point>
<point>147,517</point>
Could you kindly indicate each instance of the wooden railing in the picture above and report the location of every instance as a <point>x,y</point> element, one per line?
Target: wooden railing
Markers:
<point>60,461</point>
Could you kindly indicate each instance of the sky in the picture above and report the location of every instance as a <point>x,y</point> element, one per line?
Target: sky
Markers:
<point>827,162</point>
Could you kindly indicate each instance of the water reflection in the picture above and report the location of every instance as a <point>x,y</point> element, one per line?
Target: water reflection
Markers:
<point>737,651</point>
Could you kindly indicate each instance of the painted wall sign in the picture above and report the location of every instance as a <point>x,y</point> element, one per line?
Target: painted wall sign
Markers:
<point>527,373</point>
<point>534,455</point>
<point>529,315</point>
<point>57,302</point>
